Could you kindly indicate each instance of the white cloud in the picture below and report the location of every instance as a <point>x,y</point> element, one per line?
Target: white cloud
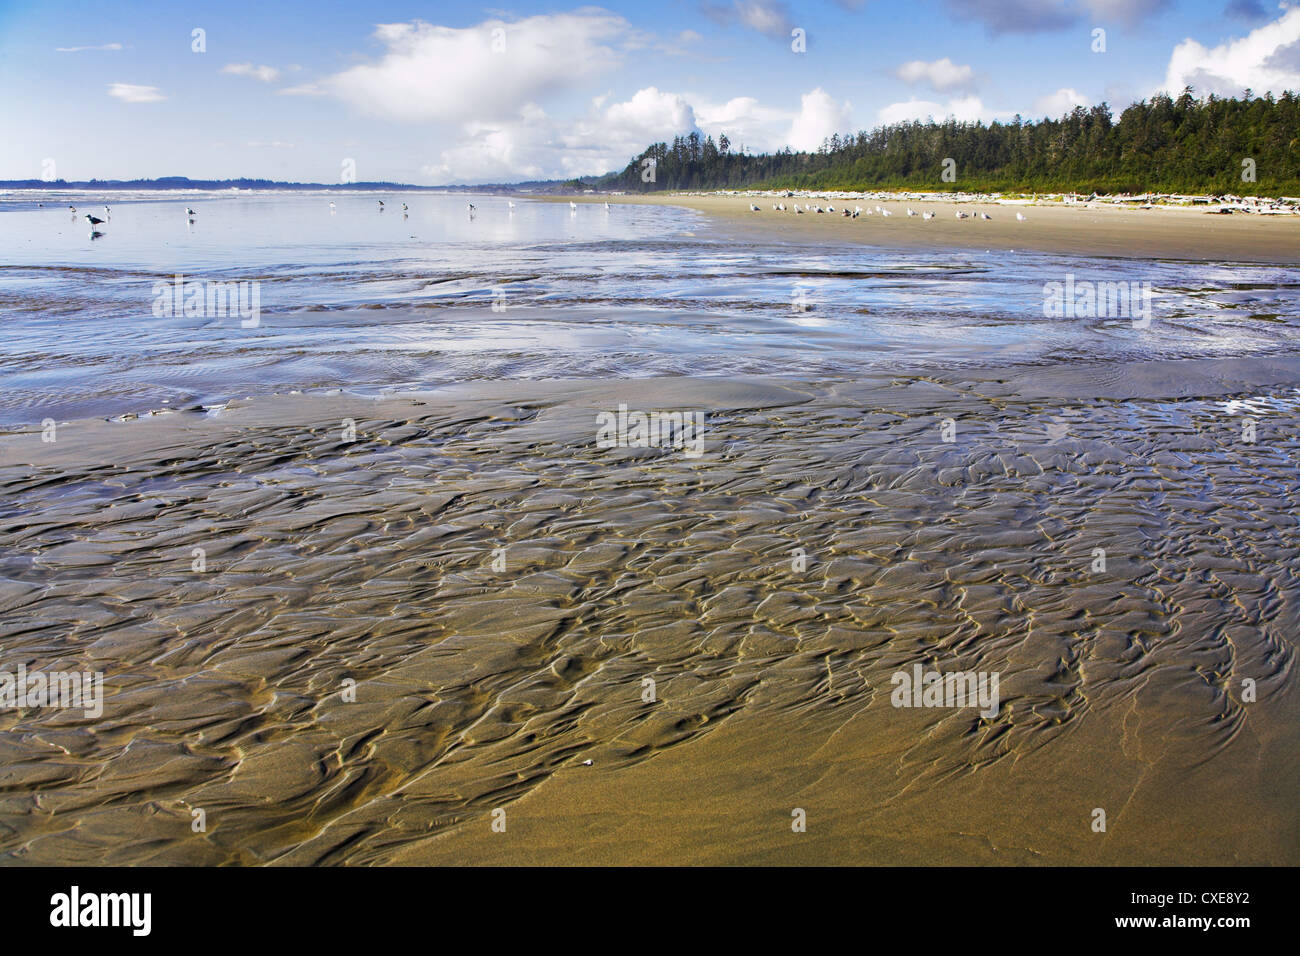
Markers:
<point>482,73</point>
<point>819,117</point>
<point>647,117</point>
<point>1055,105</point>
<point>302,89</point>
<point>267,74</point>
<point>940,75</point>
<point>747,123</point>
<point>130,93</point>
<point>1266,59</point>
<point>964,109</point>
<point>533,145</point>
<point>83,49</point>
<point>765,17</point>
<point>769,17</point>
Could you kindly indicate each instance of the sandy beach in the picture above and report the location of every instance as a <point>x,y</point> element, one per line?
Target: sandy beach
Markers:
<point>1164,232</point>
<point>500,590</point>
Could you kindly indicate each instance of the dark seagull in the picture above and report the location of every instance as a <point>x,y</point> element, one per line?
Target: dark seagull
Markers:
<point>93,220</point>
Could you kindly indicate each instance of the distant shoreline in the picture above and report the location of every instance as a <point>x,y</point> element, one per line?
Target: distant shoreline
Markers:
<point>1190,233</point>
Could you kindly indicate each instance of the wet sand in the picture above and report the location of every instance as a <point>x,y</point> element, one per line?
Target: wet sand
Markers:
<point>520,688</point>
<point>1171,232</point>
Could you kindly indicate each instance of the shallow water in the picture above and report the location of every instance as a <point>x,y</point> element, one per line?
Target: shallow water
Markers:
<point>370,300</point>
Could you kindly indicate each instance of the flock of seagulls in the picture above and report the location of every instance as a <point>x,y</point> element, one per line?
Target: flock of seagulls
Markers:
<point>857,211</point>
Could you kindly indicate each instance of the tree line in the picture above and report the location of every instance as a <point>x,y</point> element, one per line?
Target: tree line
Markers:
<point>1216,145</point>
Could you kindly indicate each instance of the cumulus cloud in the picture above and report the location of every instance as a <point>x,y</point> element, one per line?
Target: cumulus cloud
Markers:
<point>534,145</point>
<point>747,123</point>
<point>1034,16</point>
<point>83,49</point>
<point>940,75</point>
<point>1055,105</point>
<point>819,116</point>
<point>1266,59</point>
<point>965,109</point>
<point>267,74</point>
<point>482,73</point>
<point>130,93</point>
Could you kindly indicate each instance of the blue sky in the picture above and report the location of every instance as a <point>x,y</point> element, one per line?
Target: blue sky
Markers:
<point>445,93</point>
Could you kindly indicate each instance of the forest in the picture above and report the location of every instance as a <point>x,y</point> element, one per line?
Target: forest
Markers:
<point>1215,145</point>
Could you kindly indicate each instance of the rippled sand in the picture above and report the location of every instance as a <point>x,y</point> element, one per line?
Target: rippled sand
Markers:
<point>481,688</point>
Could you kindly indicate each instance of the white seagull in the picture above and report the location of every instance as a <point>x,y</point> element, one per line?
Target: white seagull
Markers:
<point>910,212</point>
<point>927,215</point>
<point>1020,217</point>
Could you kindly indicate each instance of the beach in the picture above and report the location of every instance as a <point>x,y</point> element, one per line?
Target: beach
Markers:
<point>1192,233</point>
<point>499,590</point>
<point>400,573</point>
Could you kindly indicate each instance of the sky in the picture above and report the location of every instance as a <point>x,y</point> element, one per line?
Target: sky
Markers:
<point>441,93</point>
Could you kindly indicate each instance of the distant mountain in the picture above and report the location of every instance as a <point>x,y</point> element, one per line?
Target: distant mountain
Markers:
<point>184,182</point>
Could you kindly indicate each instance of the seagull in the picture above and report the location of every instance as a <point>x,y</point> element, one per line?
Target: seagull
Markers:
<point>189,211</point>
<point>1020,217</point>
<point>405,207</point>
<point>381,204</point>
<point>885,212</point>
<point>985,215</point>
<point>910,212</point>
<point>753,208</point>
<point>471,206</point>
<point>93,221</point>
<point>961,215</point>
<point>107,211</point>
<point>927,215</point>
<point>797,209</point>
<point>830,208</point>
<point>878,209</point>
<point>511,205</point>
<point>73,208</point>
<point>573,206</point>
<point>606,207</point>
